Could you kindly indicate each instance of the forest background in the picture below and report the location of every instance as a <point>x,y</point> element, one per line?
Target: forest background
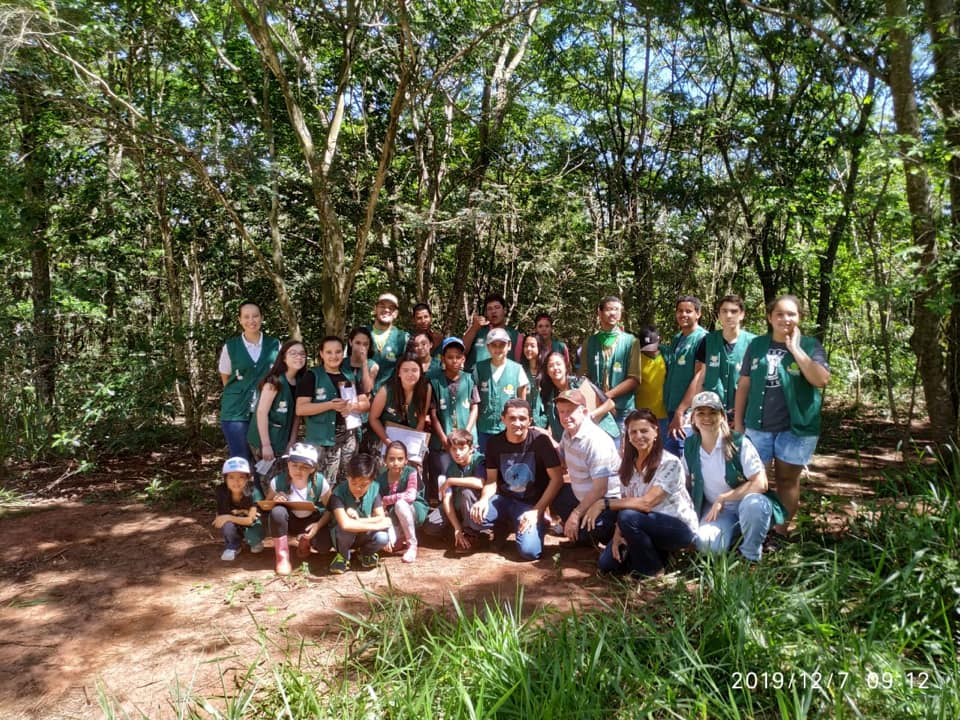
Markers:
<point>163,160</point>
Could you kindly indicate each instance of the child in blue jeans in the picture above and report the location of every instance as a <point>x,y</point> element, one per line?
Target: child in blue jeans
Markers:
<point>237,509</point>
<point>360,521</point>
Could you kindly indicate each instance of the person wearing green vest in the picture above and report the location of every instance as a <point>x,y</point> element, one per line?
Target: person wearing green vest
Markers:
<point>556,380</point>
<point>309,489</point>
<point>328,400</point>
<point>460,485</point>
<point>244,361</point>
<point>405,400</point>
<point>535,352</point>
<point>499,379</point>
<point>544,327</point>
<point>494,316</point>
<point>729,483</point>
<point>606,358</point>
<point>779,398</point>
<point>420,344</point>
<point>359,519</point>
<point>680,356</point>
<point>389,341</point>
<point>719,356</point>
<point>365,370</point>
<point>402,495</point>
<point>274,427</point>
<point>455,405</point>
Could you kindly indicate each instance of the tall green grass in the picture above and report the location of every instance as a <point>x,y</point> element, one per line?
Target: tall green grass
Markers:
<point>862,625</point>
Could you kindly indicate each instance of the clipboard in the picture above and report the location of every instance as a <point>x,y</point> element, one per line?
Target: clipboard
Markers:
<point>302,505</point>
<point>415,441</point>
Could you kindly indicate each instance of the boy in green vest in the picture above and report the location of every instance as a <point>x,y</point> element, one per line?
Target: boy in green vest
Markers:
<point>454,404</point>
<point>389,341</point>
<point>719,356</point>
<point>359,519</point>
<point>680,357</point>
<point>607,355</point>
<point>460,485</point>
<point>476,338</point>
<point>499,379</point>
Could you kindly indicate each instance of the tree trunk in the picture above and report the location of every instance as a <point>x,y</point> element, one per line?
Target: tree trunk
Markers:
<point>926,321</point>
<point>34,221</point>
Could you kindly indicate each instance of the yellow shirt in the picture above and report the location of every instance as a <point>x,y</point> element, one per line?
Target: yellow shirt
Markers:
<point>651,373</point>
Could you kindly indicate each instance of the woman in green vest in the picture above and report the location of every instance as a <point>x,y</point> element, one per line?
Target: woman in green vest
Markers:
<point>555,380</point>
<point>244,361</point>
<point>779,398</point>
<point>534,356</point>
<point>729,483</point>
<point>365,371</point>
<point>421,345</point>
<point>404,400</point>
<point>275,424</point>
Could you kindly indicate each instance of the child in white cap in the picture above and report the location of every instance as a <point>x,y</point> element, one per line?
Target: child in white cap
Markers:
<point>236,509</point>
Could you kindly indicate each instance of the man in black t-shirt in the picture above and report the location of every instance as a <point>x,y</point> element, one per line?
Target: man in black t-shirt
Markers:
<point>523,477</point>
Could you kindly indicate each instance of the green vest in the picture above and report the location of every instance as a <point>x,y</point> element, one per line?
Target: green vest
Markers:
<point>239,399</point>
<point>734,474</point>
<point>493,395</point>
<point>607,423</point>
<point>279,419</point>
<point>363,506</point>
<point>723,368</point>
<point>468,470</point>
<point>314,487</point>
<point>387,356</point>
<point>453,412</point>
<point>681,361</point>
<point>478,351</point>
<point>803,399</point>
<point>608,372</point>
<point>321,429</point>
<point>538,416</point>
<point>391,412</point>
<point>420,506</point>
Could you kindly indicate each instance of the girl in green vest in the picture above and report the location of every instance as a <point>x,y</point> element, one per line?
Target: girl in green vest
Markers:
<point>404,400</point>
<point>555,379</point>
<point>244,361</point>
<point>729,483</point>
<point>779,398</point>
<point>275,424</point>
<point>421,346</point>
<point>534,356</point>
<point>402,497</point>
<point>365,371</point>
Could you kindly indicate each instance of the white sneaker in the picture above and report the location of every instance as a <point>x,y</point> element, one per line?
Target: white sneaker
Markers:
<point>229,555</point>
<point>258,548</point>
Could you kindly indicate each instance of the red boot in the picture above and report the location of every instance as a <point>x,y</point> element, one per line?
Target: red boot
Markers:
<point>281,549</point>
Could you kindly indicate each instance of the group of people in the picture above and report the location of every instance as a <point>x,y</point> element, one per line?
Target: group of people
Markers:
<point>651,447</point>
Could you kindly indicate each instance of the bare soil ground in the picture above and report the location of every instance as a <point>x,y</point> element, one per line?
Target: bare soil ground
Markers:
<point>101,589</point>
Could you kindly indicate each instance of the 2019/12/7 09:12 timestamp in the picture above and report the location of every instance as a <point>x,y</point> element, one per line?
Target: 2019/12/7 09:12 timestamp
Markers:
<point>833,680</point>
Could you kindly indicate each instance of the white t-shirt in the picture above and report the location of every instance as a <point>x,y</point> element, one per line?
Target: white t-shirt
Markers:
<point>302,495</point>
<point>714,468</point>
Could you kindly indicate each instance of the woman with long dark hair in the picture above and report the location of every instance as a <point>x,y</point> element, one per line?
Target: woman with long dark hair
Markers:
<point>655,514</point>
<point>274,426</point>
<point>404,400</point>
<point>554,379</point>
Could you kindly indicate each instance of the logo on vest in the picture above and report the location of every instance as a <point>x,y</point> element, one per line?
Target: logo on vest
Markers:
<point>755,363</point>
<point>389,353</point>
<point>321,394</point>
<point>714,361</point>
<point>508,389</point>
<point>793,369</point>
<point>443,404</point>
<point>682,360</point>
<point>617,367</point>
<point>282,406</point>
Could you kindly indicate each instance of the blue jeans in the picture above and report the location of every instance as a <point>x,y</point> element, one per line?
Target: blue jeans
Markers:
<point>650,537</point>
<point>233,534</point>
<point>235,433</point>
<point>507,511</point>
<point>566,502</point>
<point>751,517</point>
<point>368,543</point>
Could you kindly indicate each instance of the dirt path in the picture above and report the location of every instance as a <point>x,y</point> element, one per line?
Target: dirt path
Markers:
<point>135,599</point>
